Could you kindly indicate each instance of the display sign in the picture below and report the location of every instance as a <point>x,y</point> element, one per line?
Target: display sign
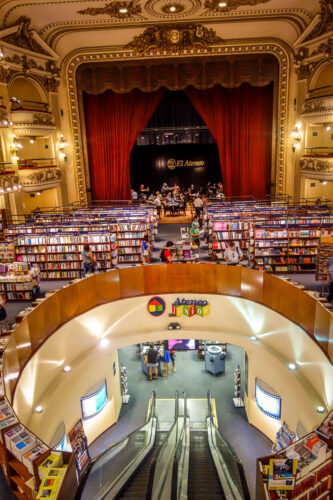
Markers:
<point>182,345</point>
<point>246,370</point>
<point>190,307</point>
<point>267,402</point>
<point>94,403</point>
<point>79,444</point>
<point>156,306</point>
<point>172,163</point>
<point>282,473</point>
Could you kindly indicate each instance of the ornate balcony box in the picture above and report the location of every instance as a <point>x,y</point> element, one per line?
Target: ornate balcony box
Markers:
<point>318,109</point>
<point>38,175</point>
<point>317,167</point>
<point>31,119</point>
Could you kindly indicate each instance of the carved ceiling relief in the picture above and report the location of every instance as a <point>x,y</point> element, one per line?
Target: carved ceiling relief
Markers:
<point>326,20</point>
<point>23,37</point>
<point>120,10</point>
<point>172,38</point>
<point>213,5</point>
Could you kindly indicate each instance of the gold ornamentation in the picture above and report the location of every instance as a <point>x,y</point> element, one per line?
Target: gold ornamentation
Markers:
<point>27,64</point>
<point>5,74</point>
<point>173,38</point>
<point>46,175</point>
<point>314,106</point>
<point>3,114</point>
<point>176,6</point>
<point>8,180</point>
<point>23,37</point>
<point>121,10</point>
<point>325,49</point>
<point>42,119</point>
<point>213,5</point>
<point>326,20</point>
<point>50,84</point>
<point>315,165</point>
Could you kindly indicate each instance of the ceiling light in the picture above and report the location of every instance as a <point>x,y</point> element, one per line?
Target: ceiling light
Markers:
<point>15,188</point>
<point>19,186</point>
<point>32,141</point>
<point>292,366</point>
<point>172,8</point>
<point>253,339</point>
<point>38,409</point>
<point>10,123</point>
<point>9,189</point>
<point>38,193</point>
<point>320,409</point>
<point>222,4</point>
<point>104,342</point>
<point>2,190</point>
<point>67,368</point>
<point>123,10</point>
<point>328,128</point>
<point>5,122</point>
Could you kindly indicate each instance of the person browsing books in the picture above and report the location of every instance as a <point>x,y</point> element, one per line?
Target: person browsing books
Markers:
<point>89,261</point>
<point>166,253</point>
<point>145,250</point>
<point>233,255</point>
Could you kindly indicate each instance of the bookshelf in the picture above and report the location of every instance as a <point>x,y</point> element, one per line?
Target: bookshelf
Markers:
<point>325,252</point>
<point>19,283</point>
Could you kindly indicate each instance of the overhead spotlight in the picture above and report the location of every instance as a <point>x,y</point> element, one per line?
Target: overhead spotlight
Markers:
<point>253,339</point>
<point>32,141</point>
<point>292,366</point>
<point>123,10</point>
<point>104,343</point>
<point>222,4</point>
<point>15,188</point>
<point>172,8</point>
<point>5,122</point>
<point>38,409</point>
<point>19,186</point>
<point>67,368</point>
<point>9,189</point>
<point>320,409</point>
<point>2,190</point>
<point>38,193</point>
<point>10,123</point>
<point>328,128</point>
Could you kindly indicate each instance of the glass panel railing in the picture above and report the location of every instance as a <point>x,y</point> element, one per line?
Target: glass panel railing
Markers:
<point>110,471</point>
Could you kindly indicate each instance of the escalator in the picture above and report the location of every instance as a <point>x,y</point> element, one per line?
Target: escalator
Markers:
<point>138,485</point>
<point>203,480</point>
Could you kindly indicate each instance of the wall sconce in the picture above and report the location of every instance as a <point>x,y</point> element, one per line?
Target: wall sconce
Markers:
<point>61,146</point>
<point>297,136</point>
<point>15,148</point>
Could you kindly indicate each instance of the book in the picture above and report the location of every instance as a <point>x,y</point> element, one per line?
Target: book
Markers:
<point>53,460</point>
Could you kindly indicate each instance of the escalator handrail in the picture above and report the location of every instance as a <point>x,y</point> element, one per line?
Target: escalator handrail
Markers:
<point>163,448</point>
<point>179,458</point>
<point>114,445</point>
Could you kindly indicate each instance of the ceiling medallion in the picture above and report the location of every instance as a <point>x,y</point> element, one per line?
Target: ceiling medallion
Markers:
<point>227,5</point>
<point>121,10</point>
<point>171,8</point>
<point>173,38</point>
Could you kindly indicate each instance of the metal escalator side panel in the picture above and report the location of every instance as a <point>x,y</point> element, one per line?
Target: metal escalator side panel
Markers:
<point>230,490</point>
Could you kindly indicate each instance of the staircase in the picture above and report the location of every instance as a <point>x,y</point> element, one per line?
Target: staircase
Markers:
<point>203,480</point>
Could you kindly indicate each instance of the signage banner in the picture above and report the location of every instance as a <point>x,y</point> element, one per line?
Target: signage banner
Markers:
<point>79,444</point>
<point>190,307</point>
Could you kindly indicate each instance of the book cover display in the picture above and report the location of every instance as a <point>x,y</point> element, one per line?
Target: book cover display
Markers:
<point>79,443</point>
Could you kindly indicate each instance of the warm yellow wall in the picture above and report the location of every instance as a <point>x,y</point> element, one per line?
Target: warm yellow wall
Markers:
<point>318,190</point>
<point>35,150</point>
<point>323,138</point>
<point>127,322</point>
<point>25,89</point>
<point>46,199</point>
<point>324,77</point>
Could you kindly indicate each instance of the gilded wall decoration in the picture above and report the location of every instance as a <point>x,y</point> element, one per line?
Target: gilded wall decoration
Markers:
<point>23,37</point>
<point>173,38</point>
<point>121,10</point>
<point>42,119</point>
<point>270,47</point>
<point>5,74</point>
<point>3,114</point>
<point>325,23</point>
<point>161,8</point>
<point>24,62</point>
<point>314,106</point>
<point>315,165</point>
<point>8,181</point>
<point>213,5</point>
<point>46,175</point>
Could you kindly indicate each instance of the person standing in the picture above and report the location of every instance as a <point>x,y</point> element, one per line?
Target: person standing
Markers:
<point>89,261</point>
<point>145,250</point>
<point>195,234</point>
<point>233,255</point>
<point>3,315</point>
<point>330,278</point>
<point>198,204</point>
<point>165,356</point>
<point>152,361</point>
<point>166,253</point>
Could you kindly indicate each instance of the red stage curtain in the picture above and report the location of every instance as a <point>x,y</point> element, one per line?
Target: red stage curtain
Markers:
<point>240,120</point>
<point>113,122</point>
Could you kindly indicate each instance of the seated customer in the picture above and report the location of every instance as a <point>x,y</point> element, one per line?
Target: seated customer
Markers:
<point>233,255</point>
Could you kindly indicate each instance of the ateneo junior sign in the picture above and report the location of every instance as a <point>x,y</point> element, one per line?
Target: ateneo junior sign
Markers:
<point>190,307</point>
<point>172,164</point>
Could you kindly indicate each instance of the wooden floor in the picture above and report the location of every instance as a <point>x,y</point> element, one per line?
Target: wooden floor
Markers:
<point>176,219</point>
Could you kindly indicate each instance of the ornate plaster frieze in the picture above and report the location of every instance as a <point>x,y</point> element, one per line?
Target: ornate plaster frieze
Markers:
<point>120,10</point>
<point>24,37</point>
<point>173,38</point>
<point>40,179</point>
<point>72,63</point>
<point>316,168</point>
<point>4,116</point>
<point>213,5</point>
<point>42,119</point>
<point>318,110</point>
<point>325,23</point>
<point>8,180</point>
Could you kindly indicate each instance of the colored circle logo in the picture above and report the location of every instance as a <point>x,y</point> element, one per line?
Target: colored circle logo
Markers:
<point>171,164</point>
<point>156,306</point>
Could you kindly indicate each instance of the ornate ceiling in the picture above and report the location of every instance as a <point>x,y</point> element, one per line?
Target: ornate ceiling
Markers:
<point>52,19</point>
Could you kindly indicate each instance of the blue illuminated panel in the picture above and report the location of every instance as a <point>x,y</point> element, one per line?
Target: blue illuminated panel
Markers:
<point>94,403</point>
<point>268,403</point>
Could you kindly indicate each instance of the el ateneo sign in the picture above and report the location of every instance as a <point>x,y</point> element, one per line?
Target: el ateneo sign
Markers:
<point>172,163</point>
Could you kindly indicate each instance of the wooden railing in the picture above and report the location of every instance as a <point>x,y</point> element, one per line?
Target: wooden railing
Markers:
<point>68,302</point>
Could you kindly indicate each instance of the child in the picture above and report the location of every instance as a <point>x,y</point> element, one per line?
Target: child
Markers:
<point>165,356</point>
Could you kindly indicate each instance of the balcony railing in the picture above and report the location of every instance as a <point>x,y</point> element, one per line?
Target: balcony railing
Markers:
<point>6,167</point>
<point>34,163</point>
<point>326,91</point>
<point>17,105</point>
<point>319,151</point>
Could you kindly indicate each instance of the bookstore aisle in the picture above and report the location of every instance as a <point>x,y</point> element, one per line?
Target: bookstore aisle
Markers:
<point>191,376</point>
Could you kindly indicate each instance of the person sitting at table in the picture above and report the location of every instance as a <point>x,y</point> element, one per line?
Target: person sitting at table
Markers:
<point>219,187</point>
<point>164,188</point>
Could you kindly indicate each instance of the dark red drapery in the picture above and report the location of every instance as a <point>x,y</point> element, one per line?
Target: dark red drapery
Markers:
<point>113,122</point>
<point>240,120</point>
